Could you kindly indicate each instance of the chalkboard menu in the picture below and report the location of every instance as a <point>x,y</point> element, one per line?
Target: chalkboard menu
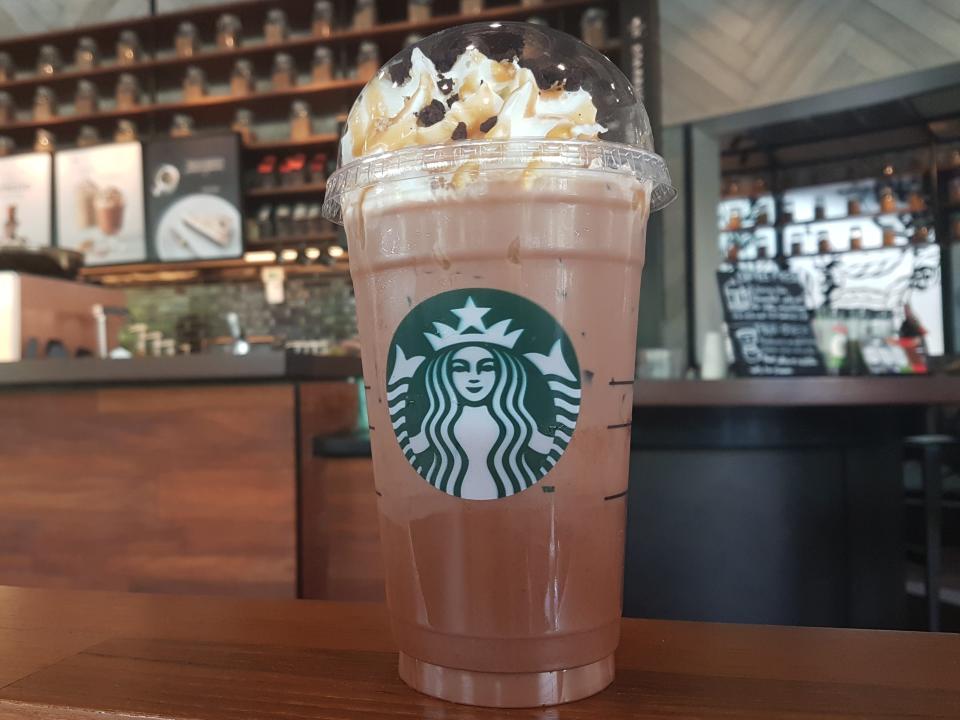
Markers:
<point>769,324</point>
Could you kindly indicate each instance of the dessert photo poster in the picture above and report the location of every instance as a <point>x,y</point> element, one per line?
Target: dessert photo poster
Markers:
<point>193,198</point>
<point>99,193</point>
<point>26,198</point>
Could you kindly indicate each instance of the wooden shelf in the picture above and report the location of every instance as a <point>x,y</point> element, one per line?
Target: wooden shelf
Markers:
<point>279,240</point>
<point>276,145</point>
<point>279,191</point>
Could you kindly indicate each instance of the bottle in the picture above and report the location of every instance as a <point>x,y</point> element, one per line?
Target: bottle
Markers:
<point>796,244</point>
<point>820,208</point>
<point>241,79</point>
<point>322,18</point>
<point>856,238</point>
<point>44,104</point>
<point>85,57</point>
<point>368,60</point>
<point>48,61</point>
<point>229,31</point>
<point>194,84</point>
<point>186,43</point>
<point>128,48</point>
<point>364,14</point>
<point>284,72</point>
<point>275,28</point>
<point>823,243</point>
<point>322,70</point>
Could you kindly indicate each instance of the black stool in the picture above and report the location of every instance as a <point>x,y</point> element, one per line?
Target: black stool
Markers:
<point>932,451</point>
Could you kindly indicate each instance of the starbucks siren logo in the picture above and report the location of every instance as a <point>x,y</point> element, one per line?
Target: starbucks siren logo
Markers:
<point>484,407</point>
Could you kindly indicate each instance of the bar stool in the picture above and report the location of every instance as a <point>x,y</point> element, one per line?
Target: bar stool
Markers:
<point>932,451</point>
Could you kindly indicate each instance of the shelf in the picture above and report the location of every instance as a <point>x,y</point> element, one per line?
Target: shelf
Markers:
<point>279,191</point>
<point>150,273</point>
<point>749,228</point>
<point>250,49</point>
<point>903,247</point>
<point>276,145</point>
<point>846,218</point>
<point>276,241</point>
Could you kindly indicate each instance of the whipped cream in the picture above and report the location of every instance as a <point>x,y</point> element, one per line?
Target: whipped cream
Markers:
<point>477,99</point>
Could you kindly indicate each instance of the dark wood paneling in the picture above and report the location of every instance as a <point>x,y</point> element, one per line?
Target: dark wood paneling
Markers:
<point>339,532</point>
<point>173,489</point>
<point>108,656</point>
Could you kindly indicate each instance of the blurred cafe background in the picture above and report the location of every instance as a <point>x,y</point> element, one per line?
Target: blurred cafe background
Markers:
<point>181,398</point>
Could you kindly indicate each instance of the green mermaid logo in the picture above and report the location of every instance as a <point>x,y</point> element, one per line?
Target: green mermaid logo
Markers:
<point>484,407</point>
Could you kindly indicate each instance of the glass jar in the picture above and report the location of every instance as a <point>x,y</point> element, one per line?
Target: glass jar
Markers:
<point>322,71</point>
<point>241,79</point>
<point>128,48</point>
<point>916,202</point>
<point>823,243</point>
<point>44,104</point>
<point>762,252</point>
<point>593,27</point>
<point>888,202</point>
<point>186,42</point>
<point>856,238</point>
<point>820,208</point>
<point>126,131</point>
<point>7,70</point>
<point>921,235</point>
<point>787,212</point>
<point>284,72</point>
<point>7,146</point>
<point>243,126</point>
<point>275,28</point>
<point>87,55</point>
<point>87,136</point>
<point>471,7</point>
<point>364,14</point>
<point>86,101</point>
<point>796,244</point>
<point>419,11</point>
<point>368,61</point>
<point>181,126</point>
<point>889,237</point>
<point>194,84</point>
<point>229,31</point>
<point>128,92</point>
<point>763,217</point>
<point>853,206</point>
<point>49,61</point>
<point>734,222</point>
<point>322,18</point>
<point>301,123</point>
<point>8,111</point>
<point>44,141</point>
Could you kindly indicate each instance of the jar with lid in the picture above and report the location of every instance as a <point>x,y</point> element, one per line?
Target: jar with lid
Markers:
<point>194,84</point>
<point>796,244</point>
<point>275,28</point>
<point>889,236</point>
<point>888,202</point>
<point>243,126</point>
<point>7,146</point>
<point>129,50</point>
<point>734,221</point>
<point>733,252</point>
<point>241,79</point>
<point>87,55</point>
<point>368,60</point>
<point>87,136</point>
<point>823,243</point>
<point>44,141</point>
<point>128,92</point>
<point>8,112</point>
<point>7,69</point>
<point>916,202</point>
<point>856,238</point>
<point>412,39</point>
<point>44,104</point>
<point>921,235</point>
<point>322,70</point>
<point>953,190</point>
<point>126,131</point>
<point>284,72</point>
<point>471,7</point>
<point>322,18</point>
<point>364,14</point>
<point>787,212</point>
<point>86,100</point>
<point>853,206</point>
<point>763,216</point>
<point>229,31</point>
<point>49,61</point>
<point>419,10</point>
<point>820,208</point>
<point>186,43</point>
<point>301,123</point>
<point>182,126</point>
<point>593,27</point>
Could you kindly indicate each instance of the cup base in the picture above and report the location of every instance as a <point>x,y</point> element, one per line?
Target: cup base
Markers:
<point>507,690</point>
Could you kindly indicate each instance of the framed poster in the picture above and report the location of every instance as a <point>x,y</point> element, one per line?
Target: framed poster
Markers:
<point>99,194</point>
<point>26,199</point>
<point>194,198</point>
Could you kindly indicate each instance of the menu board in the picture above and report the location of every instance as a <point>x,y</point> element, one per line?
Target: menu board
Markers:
<point>193,197</point>
<point>26,198</point>
<point>99,194</point>
<point>769,324</point>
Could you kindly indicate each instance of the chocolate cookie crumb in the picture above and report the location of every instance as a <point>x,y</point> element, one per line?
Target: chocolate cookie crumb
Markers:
<point>459,132</point>
<point>400,71</point>
<point>487,125</point>
<point>452,99</point>
<point>431,114</point>
<point>445,84</point>
<point>444,58</point>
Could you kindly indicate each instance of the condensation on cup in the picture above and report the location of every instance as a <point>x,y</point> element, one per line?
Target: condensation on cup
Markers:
<point>495,182</point>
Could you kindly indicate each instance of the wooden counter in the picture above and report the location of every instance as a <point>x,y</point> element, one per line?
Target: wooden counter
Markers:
<point>799,392</point>
<point>85,656</point>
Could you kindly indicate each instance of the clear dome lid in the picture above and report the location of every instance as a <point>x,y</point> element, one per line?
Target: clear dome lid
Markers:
<point>499,93</point>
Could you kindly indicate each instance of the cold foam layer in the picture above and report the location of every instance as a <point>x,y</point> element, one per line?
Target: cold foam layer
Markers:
<point>478,98</point>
